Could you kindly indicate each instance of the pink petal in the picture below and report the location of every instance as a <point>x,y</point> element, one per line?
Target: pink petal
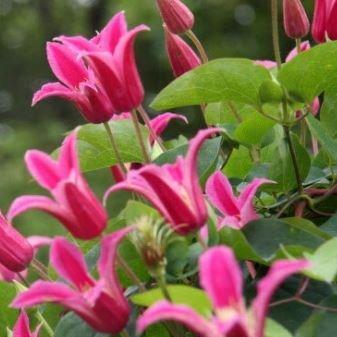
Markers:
<point>279,271</point>
<point>65,66</point>
<point>165,311</point>
<point>77,44</point>
<point>100,109</point>
<point>220,193</point>
<point>112,32</point>
<point>21,328</point>
<point>42,291</point>
<point>266,63</point>
<point>6,274</point>
<point>68,160</point>
<point>56,89</point>
<point>28,202</point>
<point>191,179</point>
<point>245,200</point>
<point>43,168</point>
<point>107,261</point>
<point>229,221</point>
<point>159,123</point>
<point>221,277</point>
<point>125,60</point>
<point>69,262</point>
<point>39,241</point>
<point>135,186</point>
<point>170,197</point>
<point>91,218</point>
<point>109,78</point>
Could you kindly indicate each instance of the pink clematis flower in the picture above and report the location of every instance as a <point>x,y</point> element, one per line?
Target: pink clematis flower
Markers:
<point>324,22</point>
<point>100,303</point>
<point>221,277</point>
<point>96,98</point>
<point>16,252</point>
<point>236,211</point>
<point>182,57</point>
<point>21,328</point>
<point>74,204</point>
<point>172,188</point>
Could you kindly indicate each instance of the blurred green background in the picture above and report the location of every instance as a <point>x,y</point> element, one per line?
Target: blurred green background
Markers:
<point>228,28</point>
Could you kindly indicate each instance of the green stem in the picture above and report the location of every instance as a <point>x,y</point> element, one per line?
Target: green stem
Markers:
<point>146,120</point>
<point>115,147</point>
<point>129,272</point>
<point>44,323</point>
<point>294,159</point>
<point>163,286</point>
<point>298,46</point>
<point>198,45</point>
<point>39,270</point>
<point>275,32</point>
<point>139,135</point>
<point>123,333</point>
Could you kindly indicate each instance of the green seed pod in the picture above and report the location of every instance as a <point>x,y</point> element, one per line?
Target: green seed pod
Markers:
<point>270,92</point>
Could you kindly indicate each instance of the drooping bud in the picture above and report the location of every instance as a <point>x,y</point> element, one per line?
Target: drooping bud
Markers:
<point>15,251</point>
<point>295,19</point>
<point>151,238</point>
<point>318,28</point>
<point>181,55</point>
<point>176,15</point>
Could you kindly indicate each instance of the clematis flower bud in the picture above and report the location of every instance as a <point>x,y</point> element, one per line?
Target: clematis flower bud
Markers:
<point>176,15</point>
<point>181,55</point>
<point>295,19</point>
<point>318,28</point>
<point>15,250</point>
<point>151,238</point>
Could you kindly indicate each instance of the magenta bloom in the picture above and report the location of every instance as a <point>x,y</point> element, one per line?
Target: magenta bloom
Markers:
<point>73,203</point>
<point>324,23</point>
<point>221,277</point>
<point>173,189</point>
<point>100,303</point>
<point>236,211</point>
<point>295,19</point>
<point>97,98</point>
<point>21,328</point>
<point>16,252</point>
<point>181,55</point>
<point>176,15</point>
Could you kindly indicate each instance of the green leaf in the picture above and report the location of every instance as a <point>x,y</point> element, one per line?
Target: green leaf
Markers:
<point>235,239</point>
<point>274,329</point>
<point>329,144</point>
<point>239,163</point>
<point>282,168</point>
<point>308,226</point>
<point>7,315</point>
<point>136,209</point>
<point>324,261</point>
<point>193,297</point>
<point>156,330</point>
<point>253,129</point>
<point>266,236</point>
<point>321,323</point>
<point>207,157</point>
<point>71,325</point>
<point>237,80</point>
<point>311,72</point>
<point>95,149</point>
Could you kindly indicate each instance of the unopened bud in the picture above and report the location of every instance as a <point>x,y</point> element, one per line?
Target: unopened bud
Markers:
<point>176,15</point>
<point>296,22</point>
<point>151,238</point>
